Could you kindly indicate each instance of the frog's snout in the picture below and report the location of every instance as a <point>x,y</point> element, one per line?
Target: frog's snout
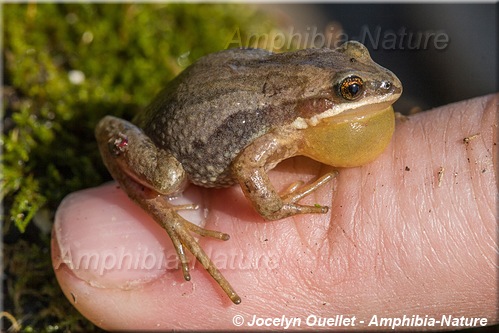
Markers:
<point>388,86</point>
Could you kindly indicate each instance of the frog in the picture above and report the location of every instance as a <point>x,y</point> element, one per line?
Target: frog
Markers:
<point>232,116</point>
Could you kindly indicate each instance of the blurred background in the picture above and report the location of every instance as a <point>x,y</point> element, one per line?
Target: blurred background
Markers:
<point>466,67</point>
<point>67,65</point>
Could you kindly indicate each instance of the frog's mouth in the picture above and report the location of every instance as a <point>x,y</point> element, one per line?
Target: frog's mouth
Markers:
<point>356,115</point>
<point>342,113</point>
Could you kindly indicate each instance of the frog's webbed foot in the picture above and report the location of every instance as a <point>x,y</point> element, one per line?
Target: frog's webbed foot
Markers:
<point>179,231</point>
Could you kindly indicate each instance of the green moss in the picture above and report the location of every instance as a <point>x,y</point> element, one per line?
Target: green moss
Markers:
<point>65,67</point>
<point>126,53</point>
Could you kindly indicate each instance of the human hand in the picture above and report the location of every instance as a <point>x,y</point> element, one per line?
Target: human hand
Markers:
<point>412,233</point>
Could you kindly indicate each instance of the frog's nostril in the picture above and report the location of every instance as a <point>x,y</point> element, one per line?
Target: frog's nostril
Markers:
<point>386,85</point>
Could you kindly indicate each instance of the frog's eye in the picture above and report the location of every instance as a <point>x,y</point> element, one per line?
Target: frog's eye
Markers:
<point>351,88</point>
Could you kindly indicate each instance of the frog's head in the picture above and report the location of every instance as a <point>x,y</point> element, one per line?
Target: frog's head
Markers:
<point>364,85</point>
<point>357,121</point>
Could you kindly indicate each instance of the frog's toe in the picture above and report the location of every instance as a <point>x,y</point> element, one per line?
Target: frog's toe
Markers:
<point>206,232</point>
<point>179,248</point>
<point>303,209</point>
<point>294,193</point>
<point>292,188</point>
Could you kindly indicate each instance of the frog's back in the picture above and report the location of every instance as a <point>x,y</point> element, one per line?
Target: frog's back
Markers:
<point>219,105</point>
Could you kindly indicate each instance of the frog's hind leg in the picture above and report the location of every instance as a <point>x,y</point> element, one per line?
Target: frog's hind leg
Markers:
<point>179,231</point>
<point>143,172</point>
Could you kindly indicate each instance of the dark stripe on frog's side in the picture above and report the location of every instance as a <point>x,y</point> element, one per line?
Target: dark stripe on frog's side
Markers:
<point>209,162</point>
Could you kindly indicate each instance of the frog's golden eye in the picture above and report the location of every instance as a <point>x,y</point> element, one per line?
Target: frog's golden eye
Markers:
<point>351,88</point>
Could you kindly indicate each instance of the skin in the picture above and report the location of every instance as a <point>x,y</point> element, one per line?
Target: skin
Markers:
<point>395,243</point>
<point>202,130</point>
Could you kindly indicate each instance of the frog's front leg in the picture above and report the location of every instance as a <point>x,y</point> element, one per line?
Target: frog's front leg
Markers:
<point>145,172</point>
<point>251,166</point>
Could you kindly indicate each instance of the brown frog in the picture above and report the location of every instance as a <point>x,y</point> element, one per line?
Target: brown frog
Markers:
<point>233,115</point>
